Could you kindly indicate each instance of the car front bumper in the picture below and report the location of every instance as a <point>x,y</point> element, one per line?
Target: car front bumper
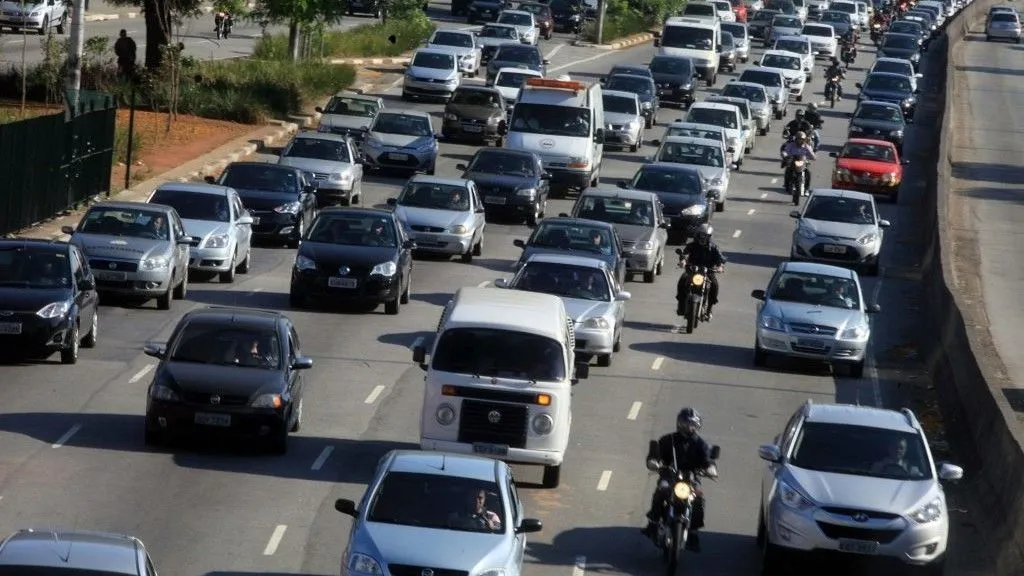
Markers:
<point>368,289</point>
<point>270,225</point>
<point>641,260</point>
<point>470,129</point>
<point>183,419</point>
<point>676,95</point>
<point>211,259</point>
<point>442,242</point>
<point>872,185</point>
<point>150,283</point>
<point>594,340</point>
<point>810,346</point>
<point>622,136</point>
<point>441,89</point>
<point>29,22</point>
<point>25,332</point>
<point>834,251</point>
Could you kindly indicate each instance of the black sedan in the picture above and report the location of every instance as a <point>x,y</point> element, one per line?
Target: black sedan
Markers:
<point>839,21</point>
<point>512,183</point>
<point>674,76</point>
<point>48,298</point>
<point>912,28</point>
<point>645,90</point>
<point>903,46</point>
<point>686,200</point>
<point>359,255</point>
<point>879,121</point>
<point>228,371</point>
<point>484,11</point>
<point>893,88</point>
<point>281,199</point>
<point>579,236</point>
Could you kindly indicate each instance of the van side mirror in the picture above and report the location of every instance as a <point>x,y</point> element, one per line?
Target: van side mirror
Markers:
<point>346,507</point>
<point>501,283</point>
<point>419,354</point>
<point>873,309</point>
<point>545,176</point>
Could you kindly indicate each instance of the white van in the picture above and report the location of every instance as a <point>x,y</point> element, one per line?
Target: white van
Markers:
<point>499,381</point>
<point>698,40</point>
<point>563,122</point>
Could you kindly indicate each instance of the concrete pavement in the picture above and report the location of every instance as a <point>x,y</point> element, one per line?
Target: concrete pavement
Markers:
<point>71,451</point>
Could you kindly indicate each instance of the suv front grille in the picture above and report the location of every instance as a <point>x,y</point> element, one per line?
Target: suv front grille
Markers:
<point>836,531</point>
<point>476,424</point>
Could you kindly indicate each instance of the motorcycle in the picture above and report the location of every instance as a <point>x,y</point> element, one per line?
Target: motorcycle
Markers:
<point>695,306</point>
<point>832,90</point>
<point>222,25</point>
<point>876,34</point>
<point>849,55</point>
<point>796,178</point>
<point>673,527</point>
<point>576,23</point>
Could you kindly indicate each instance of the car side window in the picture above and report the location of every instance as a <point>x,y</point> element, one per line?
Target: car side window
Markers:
<point>239,207</point>
<point>179,228</point>
<point>77,272</point>
<point>789,433</point>
<point>476,198</point>
<point>293,340</point>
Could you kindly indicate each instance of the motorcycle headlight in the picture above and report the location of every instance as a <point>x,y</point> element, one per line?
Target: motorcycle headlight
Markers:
<point>268,401</point>
<point>695,210</point>
<point>682,491</point>
<point>445,414</point>
<point>697,279</point>
<point>644,245</point>
<point>304,263</point>
<point>363,564</point>
<point>596,323</point>
<point>793,498</point>
<point>867,238</point>
<point>55,309</point>
<point>772,323</point>
<point>526,192</point>
<point>645,105</point>
<point>807,233</point>
<point>154,263</point>
<point>217,241</point>
<point>289,208</point>
<point>458,229</point>
<point>163,393</point>
<point>384,269</point>
<point>542,424</point>
<point>860,332</point>
<point>930,512</point>
<point>450,116</point>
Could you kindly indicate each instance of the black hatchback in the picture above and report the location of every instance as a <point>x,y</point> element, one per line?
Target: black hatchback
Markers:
<point>281,199</point>
<point>685,199</point>
<point>645,90</point>
<point>675,77</point>
<point>879,121</point>
<point>512,183</point>
<point>48,299</point>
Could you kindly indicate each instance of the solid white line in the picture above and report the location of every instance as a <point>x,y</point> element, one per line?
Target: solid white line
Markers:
<point>737,233</point>
<point>764,195</point>
<point>275,540</point>
<point>579,568</point>
<point>606,477</point>
<point>67,436</point>
<point>416,342</point>
<point>657,363</point>
<point>554,51</point>
<point>634,410</point>
<point>774,181</point>
<point>374,394</point>
<point>322,458</point>
<point>141,373</point>
<point>484,284</point>
<point>591,59</point>
<point>751,212</point>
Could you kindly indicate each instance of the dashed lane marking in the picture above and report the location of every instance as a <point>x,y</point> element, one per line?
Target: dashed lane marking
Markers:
<point>634,410</point>
<point>374,394</point>
<point>579,568</point>
<point>764,195</point>
<point>554,51</point>
<point>67,436</point>
<point>737,233</point>
<point>774,181</point>
<point>484,284</point>
<point>602,483</point>
<point>656,365</point>
<point>275,540</point>
<point>322,458</point>
<point>141,373</point>
<point>751,212</point>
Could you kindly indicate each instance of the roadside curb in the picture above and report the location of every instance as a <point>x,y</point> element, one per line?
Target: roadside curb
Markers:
<point>370,61</point>
<point>215,167</point>
<point>628,42</point>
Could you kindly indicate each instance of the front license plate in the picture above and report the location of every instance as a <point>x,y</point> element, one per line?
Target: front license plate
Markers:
<point>834,249</point>
<point>427,239</point>
<point>10,328</point>
<point>111,276</point>
<point>400,157</point>
<point>495,200</point>
<point>810,343</point>
<point>473,128</point>
<point>342,282</point>
<point>206,419</point>
<point>858,546</point>
<point>491,449</point>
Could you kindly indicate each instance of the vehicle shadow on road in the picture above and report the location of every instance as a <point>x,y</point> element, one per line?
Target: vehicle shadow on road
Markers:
<point>990,70</point>
<point>993,193</point>
<point>407,339</point>
<point>988,172</point>
<point>726,355</point>
<point>276,302</point>
<point>434,298</point>
<point>647,326</point>
<point>495,265</point>
<point>753,259</point>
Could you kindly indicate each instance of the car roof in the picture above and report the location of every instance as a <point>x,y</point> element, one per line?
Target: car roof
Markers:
<point>509,151</point>
<point>406,111</point>
<point>854,415</point>
<point>453,31</point>
<point>131,206</point>
<point>568,260</point>
<point>620,93</point>
<point>741,102</point>
<point>211,189</point>
<point>477,88</point>
<point>784,15</point>
<point>499,25</point>
<point>819,25</point>
<point>816,268</point>
<point>836,193</point>
<point>531,312</point>
<point>690,22</point>
<point>316,134</point>
<point>239,316</point>
<point>890,74</point>
<point>797,37</point>
<point>33,243</point>
<point>444,464</point>
<point>429,179</point>
<point>80,549</point>
<point>626,66</point>
<point>602,192</point>
<point>692,140</point>
<point>903,34</point>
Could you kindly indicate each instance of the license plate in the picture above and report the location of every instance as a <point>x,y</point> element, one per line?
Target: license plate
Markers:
<point>428,239</point>
<point>473,128</point>
<point>491,449</point>
<point>858,546</point>
<point>112,276</point>
<point>342,282</point>
<point>394,156</point>
<point>10,327</point>
<point>810,343</point>
<point>206,419</point>
<point>834,249</point>
<point>495,200</point>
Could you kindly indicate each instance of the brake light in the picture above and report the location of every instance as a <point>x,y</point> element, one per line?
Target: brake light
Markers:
<point>560,84</point>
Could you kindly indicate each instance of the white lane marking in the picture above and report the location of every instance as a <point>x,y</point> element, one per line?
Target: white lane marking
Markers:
<point>374,394</point>
<point>141,373</point>
<point>634,410</point>
<point>255,291</point>
<point>657,363</point>
<point>67,436</point>
<point>872,367</point>
<point>764,195</point>
<point>583,61</point>
<point>554,51</point>
<point>579,568</point>
<point>751,212</point>
<point>416,342</point>
<point>484,284</point>
<point>322,458</point>
<point>774,181</point>
<point>675,329</point>
<point>602,483</point>
<point>737,233</point>
<point>275,540</point>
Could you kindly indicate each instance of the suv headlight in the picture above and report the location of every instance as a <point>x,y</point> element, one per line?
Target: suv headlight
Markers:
<point>792,498</point>
<point>772,323</point>
<point>930,512</point>
<point>162,393</point>
<point>341,177</point>
<point>54,309</point>
<point>860,332</point>
<point>289,208</point>
<point>153,263</point>
<point>217,241</point>
<point>596,323</point>
<point>384,269</point>
<point>268,401</point>
<point>363,564</point>
<point>304,263</point>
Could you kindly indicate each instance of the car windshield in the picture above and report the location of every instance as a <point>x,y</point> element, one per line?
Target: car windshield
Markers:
<point>512,79</point>
<point>434,60</point>
<point>727,42</point>
<point>496,353</point>
<point>262,177</point>
<point>634,84</point>
<point>551,120</point>
<point>905,28</point>
<point>476,97</point>
<point>520,54</point>
<point>843,7</point>
<point>434,195</point>
<point>816,290</point>
<point>901,68</point>
<point>696,154</point>
<point>738,31</point>
<point>781,5</point>
<point>515,19</point>
<point>786,22</point>
<point>886,83</point>
<point>900,42</point>
<point>688,37</point>
<point>836,17</point>
<point>723,6</point>
<point>795,46</point>
<point>631,70</point>
<point>619,104</point>
<point>194,205</point>
<point>873,152</point>
<point>840,209</point>
<point>699,10</point>
<point>580,282</point>
<point>404,124</point>
<point>860,451</point>
<point>34,267</point>
<point>764,78</point>
<point>668,182</point>
<point>616,210</point>
<point>702,133</point>
<point>879,112</point>
<point>674,66</point>
<point>317,149</point>
<point>751,93</point>
<point>713,116</point>
<point>817,31</point>
<point>572,238</point>
<point>438,501</point>
<point>499,32</point>
<point>1004,17</point>
<point>227,344</point>
<point>130,222</point>
<point>344,106</point>
<point>354,230</point>
<point>460,39</point>
<point>497,161</point>
<point>780,61</point>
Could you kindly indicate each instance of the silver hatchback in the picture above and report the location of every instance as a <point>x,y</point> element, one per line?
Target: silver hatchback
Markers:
<point>48,552</point>
<point>839,227</point>
<point>443,215</point>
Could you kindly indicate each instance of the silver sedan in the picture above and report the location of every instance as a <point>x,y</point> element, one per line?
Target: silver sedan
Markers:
<point>443,215</point>
<point>840,227</point>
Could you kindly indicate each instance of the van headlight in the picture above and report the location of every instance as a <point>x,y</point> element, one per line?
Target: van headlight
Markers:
<point>542,424</point>
<point>930,512</point>
<point>579,162</point>
<point>445,414</point>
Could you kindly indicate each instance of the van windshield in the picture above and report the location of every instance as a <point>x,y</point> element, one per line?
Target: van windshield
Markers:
<point>688,37</point>
<point>499,354</point>
<point>551,120</point>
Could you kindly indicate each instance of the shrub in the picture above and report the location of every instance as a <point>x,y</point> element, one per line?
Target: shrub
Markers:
<point>367,40</point>
<point>121,144</point>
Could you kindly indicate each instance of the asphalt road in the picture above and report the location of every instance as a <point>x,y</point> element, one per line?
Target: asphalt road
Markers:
<point>71,451</point>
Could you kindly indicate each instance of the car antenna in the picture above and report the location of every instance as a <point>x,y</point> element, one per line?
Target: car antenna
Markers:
<point>444,461</point>
<point>64,556</point>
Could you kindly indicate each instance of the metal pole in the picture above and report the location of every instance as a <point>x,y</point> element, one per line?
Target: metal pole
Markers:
<point>24,47</point>
<point>131,138</point>
<point>76,49</point>
<point>601,5</point>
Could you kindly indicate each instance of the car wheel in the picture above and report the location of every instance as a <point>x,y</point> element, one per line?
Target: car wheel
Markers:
<point>293,242</point>
<point>392,307</point>
<point>408,289</point>
<point>604,360</point>
<point>94,329</point>
<point>857,369</point>
<point>181,290</point>
<point>800,98</point>
<point>228,276</point>
<point>760,356</point>
<point>297,424</point>
<point>243,266</point>
<point>163,302</point>
<point>534,217</point>
<point>478,248</point>
<point>46,26</point>
<point>764,131</point>
<point>771,564</point>
<point>63,23</point>
<point>720,206</point>
<point>552,476</point>
<point>69,353</point>
<point>296,299</point>
<point>649,277</point>
<point>660,267</point>
<point>431,171</point>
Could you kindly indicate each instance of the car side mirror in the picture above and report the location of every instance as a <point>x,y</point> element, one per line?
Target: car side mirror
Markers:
<point>603,80</point>
<point>950,473</point>
<point>623,296</point>
<point>716,452</point>
<point>582,371</point>
<point>190,240</point>
<point>664,225</point>
<point>731,149</point>
<point>563,215</point>
<point>769,453</point>
<point>409,245</point>
<point>599,136</point>
<point>480,210</point>
<point>392,202</point>
<point>884,223</point>
<point>529,525</point>
<point>873,309</point>
<point>501,283</point>
<point>734,166</point>
<point>302,363</point>
<point>69,230</point>
<point>311,188</point>
<point>518,243</point>
<point>918,75</point>
<point>794,214</point>
<point>209,179</point>
<point>419,354</point>
<point>859,85</point>
<point>244,220</point>
<point>624,184</point>
<point>545,176</point>
<point>87,283</point>
<point>719,48</point>
<point>319,109</point>
<point>834,154</point>
<point>154,351</point>
<point>758,295</point>
<point>346,507</point>
<point>545,61</point>
<point>679,251</point>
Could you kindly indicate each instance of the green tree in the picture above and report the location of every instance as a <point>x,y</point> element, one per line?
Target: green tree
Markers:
<point>301,16</point>
<point>161,16</point>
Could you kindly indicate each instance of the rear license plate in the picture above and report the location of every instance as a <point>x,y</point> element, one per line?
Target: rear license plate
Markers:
<point>491,449</point>
<point>495,200</point>
<point>810,343</point>
<point>834,249</point>
<point>342,282</point>
<point>473,128</point>
<point>858,546</point>
<point>394,156</point>
<point>112,276</point>
<point>206,419</point>
<point>13,328</point>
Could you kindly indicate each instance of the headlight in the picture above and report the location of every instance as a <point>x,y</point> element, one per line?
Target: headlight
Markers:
<point>645,105</point>
<point>163,393</point>
<point>596,323</point>
<point>633,124</point>
<point>153,263</point>
<point>304,263</point>
<point>695,210</point>
<point>450,116</point>
<point>54,309</point>
<point>579,162</point>
<point>384,269</point>
<point>445,414</point>
<point>363,564</point>
<point>792,498</point>
<point>526,192</point>
<point>930,512</point>
<point>867,238</point>
<point>458,229</point>
<point>268,401</point>
<point>493,572</point>
<point>842,173</point>
<point>807,233</point>
<point>452,80</point>
<point>542,424</point>
<point>289,208</point>
<point>217,241</point>
<point>341,177</point>
<point>891,178</point>
<point>772,323</point>
<point>860,332</point>
<point>644,245</point>
<point>915,57</point>
<point>908,102</point>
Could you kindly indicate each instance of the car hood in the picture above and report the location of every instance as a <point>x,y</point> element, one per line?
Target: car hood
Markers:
<point>837,318</point>
<point>693,53</point>
<point>459,51</point>
<point>549,147</point>
<point>262,200</point>
<point>665,78</point>
<point>430,216</point>
<point>120,247</point>
<point>224,380</point>
<point>861,492</point>
<point>578,309</point>
<point>675,203</point>
<point>431,73</point>
<point>791,74</point>
<point>401,140</point>
<point>876,124</point>
<point>343,121</point>
<point>464,551</point>
<point>16,6</point>
<point>885,95</point>
<point>473,111</point>
<point>523,30</point>
<point>353,256</point>
<point>620,118</point>
<point>18,299</point>
<point>203,229</point>
<point>871,166</point>
<point>315,165</point>
<point>632,233</point>
<point>484,182</point>
<point>837,229</point>
<point>491,41</point>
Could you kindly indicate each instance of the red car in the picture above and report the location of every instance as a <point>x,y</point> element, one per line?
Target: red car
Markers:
<point>739,9</point>
<point>871,166</point>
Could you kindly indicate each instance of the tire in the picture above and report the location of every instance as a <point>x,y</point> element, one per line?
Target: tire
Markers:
<point>604,360</point>
<point>243,266</point>
<point>691,319</point>
<point>296,300</point>
<point>94,328</point>
<point>404,298</point>
<point>228,277</point>
<point>69,354</point>
<point>720,206</point>
<point>297,425</point>
<point>771,564</point>
<point>535,216</point>
<point>163,302</point>
<point>764,131</point>
<point>181,290</point>
<point>552,476</point>
<point>478,248</point>
<point>45,26</point>
<point>857,369</point>
<point>649,277</point>
<point>800,98</point>
<point>392,307</point>
<point>779,114</point>
<point>62,24</point>
<point>760,356</point>
<point>294,241</point>
<point>675,550</point>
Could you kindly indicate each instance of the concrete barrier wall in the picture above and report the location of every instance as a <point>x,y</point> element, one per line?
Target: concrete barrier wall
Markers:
<point>964,367</point>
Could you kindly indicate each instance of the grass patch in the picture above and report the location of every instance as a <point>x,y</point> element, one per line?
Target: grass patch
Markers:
<point>121,145</point>
<point>361,41</point>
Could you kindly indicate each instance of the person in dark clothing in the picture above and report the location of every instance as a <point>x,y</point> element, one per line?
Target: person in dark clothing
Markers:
<point>701,252</point>
<point>798,124</point>
<point>685,451</point>
<point>126,52</point>
<point>836,71</point>
<point>813,117</point>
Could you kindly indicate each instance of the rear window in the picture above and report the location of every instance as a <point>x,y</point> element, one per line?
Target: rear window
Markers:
<point>1004,17</point>
<point>699,10</point>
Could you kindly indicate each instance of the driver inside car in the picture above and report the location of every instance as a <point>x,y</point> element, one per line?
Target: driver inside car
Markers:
<point>477,513</point>
<point>896,461</point>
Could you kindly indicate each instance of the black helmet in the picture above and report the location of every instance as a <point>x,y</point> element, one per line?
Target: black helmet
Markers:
<point>799,113</point>
<point>688,417</point>
<point>704,232</point>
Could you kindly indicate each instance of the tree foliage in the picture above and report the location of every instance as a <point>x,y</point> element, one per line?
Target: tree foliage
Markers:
<point>161,16</point>
<point>303,18</point>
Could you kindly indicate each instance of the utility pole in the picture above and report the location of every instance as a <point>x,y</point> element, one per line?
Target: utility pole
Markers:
<point>24,47</point>
<point>75,52</point>
<point>601,5</point>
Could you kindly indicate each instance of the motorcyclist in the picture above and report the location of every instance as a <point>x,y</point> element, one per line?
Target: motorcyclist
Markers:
<point>836,71</point>
<point>797,124</point>
<point>849,51</point>
<point>701,252</point>
<point>797,148</point>
<point>685,450</point>
<point>813,117</point>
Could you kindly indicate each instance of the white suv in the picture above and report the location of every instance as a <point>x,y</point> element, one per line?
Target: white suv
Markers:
<point>853,480</point>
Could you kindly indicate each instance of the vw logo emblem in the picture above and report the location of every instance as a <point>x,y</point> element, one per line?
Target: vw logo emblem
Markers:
<point>494,416</point>
<point>547,143</point>
<point>860,517</point>
<point>344,270</point>
<point>112,265</point>
<point>427,572</point>
<point>214,399</point>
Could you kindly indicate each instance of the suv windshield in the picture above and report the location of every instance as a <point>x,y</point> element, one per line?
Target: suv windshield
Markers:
<point>816,290</point>
<point>34,267</point>
<point>434,195</point>
<point>499,353</point>
<point>817,31</point>
<point>688,37</point>
<point>517,53</point>
<point>405,124</point>
<point>580,282</point>
<point>351,107</point>
<point>551,120</point>
<point>317,149</point>
<point>843,7</point>
<point>746,92</point>
<point>194,205</point>
<point>700,10</point>
<point>434,60</point>
<point>786,22</point>
<point>695,154</point>
<point>460,39</point>
<point>674,66</point>
<point>619,104</point>
<point>616,210</point>
<point>438,501</point>
<point>860,451</point>
<point>233,345</point>
<point>130,222</point>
